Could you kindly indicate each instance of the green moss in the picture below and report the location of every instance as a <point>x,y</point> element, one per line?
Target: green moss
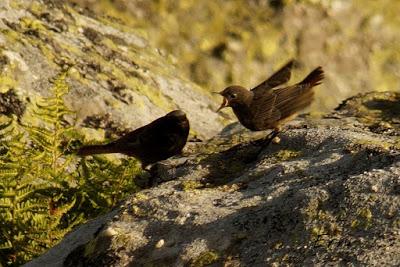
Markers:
<point>16,5</point>
<point>91,135</point>
<point>74,50</point>
<point>109,43</point>
<point>286,154</point>
<point>205,259</point>
<point>8,79</point>
<point>153,94</point>
<point>47,52</point>
<point>140,197</point>
<point>31,24</point>
<point>129,81</point>
<point>324,228</point>
<point>190,185</point>
<point>12,36</point>
<point>322,225</point>
<point>37,8</point>
<point>136,210</point>
<point>363,220</point>
<point>374,144</point>
<point>6,83</point>
<point>366,214</point>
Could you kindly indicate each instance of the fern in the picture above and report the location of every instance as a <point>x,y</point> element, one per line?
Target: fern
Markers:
<point>103,183</point>
<point>48,134</point>
<point>32,206</point>
<point>19,207</point>
<point>44,189</point>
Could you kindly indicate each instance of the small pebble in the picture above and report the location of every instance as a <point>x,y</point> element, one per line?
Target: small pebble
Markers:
<point>160,243</point>
<point>108,232</point>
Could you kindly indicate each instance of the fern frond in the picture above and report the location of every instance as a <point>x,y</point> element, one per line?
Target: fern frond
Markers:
<point>5,245</point>
<point>43,192</point>
<point>40,132</point>
<point>8,173</point>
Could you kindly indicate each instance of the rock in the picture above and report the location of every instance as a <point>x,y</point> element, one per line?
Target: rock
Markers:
<point>356,43</point>
<point>380,111</point>
<point>328,194</point>
<point>117,80</point>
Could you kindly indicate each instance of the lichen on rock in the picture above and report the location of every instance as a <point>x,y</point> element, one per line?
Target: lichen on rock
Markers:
<point>114,72</point>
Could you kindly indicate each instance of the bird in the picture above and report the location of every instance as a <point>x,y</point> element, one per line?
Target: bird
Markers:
<point>163,138</point>
<point>268,106</point>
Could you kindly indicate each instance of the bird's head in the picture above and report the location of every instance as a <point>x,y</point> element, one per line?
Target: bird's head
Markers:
<point>179,117</point>
<point>233,96</point>
<point>177,114</point>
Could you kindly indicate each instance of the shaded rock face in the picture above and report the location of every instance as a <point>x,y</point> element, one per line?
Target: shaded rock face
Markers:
<point>114,74</point>
<point>329,193</point>
<point>11,104</point>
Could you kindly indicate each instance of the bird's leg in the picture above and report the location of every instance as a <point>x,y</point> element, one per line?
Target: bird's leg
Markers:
<point>263,144</point>
<point>148,174</point>
<point>269,138</point>
<point>272,136</point>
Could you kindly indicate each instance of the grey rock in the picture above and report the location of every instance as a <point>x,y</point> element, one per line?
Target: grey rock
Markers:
<point>327,195</point>
<point>116,78</point>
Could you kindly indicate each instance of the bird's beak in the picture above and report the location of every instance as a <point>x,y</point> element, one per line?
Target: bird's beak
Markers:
<point>223,105</point>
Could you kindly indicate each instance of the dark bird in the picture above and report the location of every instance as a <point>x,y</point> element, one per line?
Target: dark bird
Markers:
<point>267,107</point>
<point>159,140</point>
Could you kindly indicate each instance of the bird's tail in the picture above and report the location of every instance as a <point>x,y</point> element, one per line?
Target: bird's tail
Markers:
<point>314,78</point>
<point>96,149</point>
<point>295,98</point>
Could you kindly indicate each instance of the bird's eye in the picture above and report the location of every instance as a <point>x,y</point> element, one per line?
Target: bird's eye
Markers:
<point>233,96</point>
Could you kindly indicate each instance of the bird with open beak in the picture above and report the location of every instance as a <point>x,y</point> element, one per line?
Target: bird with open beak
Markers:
<point>268,106</point>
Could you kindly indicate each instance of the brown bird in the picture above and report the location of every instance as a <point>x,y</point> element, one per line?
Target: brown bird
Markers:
<point>266,107</point>
<point>159,140</point>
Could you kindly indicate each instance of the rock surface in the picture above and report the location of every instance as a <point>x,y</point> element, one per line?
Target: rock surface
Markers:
<point>240,42</point>
<point>328,194</point>
<point>117,79</point>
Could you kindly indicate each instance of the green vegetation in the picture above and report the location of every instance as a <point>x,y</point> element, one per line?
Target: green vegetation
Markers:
<point>190,185</point>
<point>286,154</point>
<point>45,190</point>
<point>364,219</point>
<point>205,259</point>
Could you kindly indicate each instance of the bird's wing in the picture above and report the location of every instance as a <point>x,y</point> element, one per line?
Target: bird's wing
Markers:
<point>131,140</point>
<point>143,136</point>
<point>280,103</point>
<point>158,135</point>
<point>264,110</point>
<point>171,141</point>
<point>281,76</point>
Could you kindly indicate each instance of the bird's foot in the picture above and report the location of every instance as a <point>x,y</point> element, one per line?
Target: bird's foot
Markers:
<point>272,137</point>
